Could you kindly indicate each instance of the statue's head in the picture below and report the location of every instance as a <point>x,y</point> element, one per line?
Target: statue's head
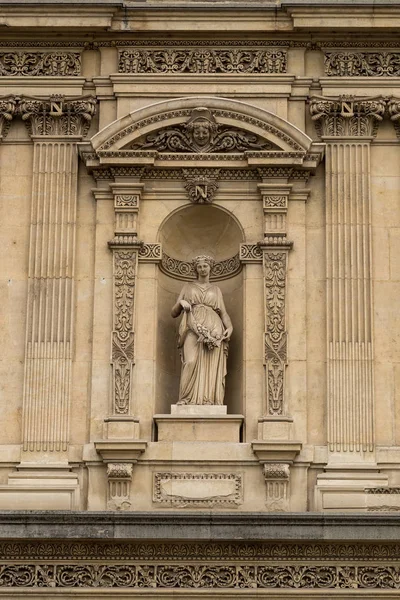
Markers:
<point>202,264</point>
<point>201,127</point>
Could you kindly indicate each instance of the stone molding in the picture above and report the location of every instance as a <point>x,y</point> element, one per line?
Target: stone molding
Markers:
<point>178,59</point>
<point>362,64</point>
<point>36,64</point>
<point>224,489</point>
<point>347,116</point>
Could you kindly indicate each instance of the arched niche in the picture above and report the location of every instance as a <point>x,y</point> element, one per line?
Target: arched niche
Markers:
<point>185,233</point>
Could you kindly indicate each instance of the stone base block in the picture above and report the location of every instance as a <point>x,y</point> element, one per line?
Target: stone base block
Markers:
<point>348,491</point>
<point>275,428</point>
<point>198,409</point>
<point>45,489</point>
<point>192,428</point>
<point>121,428</point>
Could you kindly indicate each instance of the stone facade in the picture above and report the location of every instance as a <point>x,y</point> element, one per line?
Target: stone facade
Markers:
<point>264,135</point>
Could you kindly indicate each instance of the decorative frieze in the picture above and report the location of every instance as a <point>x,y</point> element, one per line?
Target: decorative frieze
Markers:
<point>34,64</point>
<point>276,477</point>
<point>51,295</point>
<point>56,115</point>
<point>349,269</point>
<point>362,64</point>
<point>119,476</point>
<point>250,253</point>
<point>180,269</point>
<point>210,60</point>
<point>181,490</point>
<point>150,253</point>
<point>233,576</point>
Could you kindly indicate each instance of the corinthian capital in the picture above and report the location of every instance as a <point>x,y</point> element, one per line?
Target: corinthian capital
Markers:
<point>7,110</point>
<point>347,116</point>
<point>56,115</point>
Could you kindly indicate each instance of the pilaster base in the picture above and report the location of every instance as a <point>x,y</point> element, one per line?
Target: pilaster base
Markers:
<point>350,490</point>
<point>41,488</point>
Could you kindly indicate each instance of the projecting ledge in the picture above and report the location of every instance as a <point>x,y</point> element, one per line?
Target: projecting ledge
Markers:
<point>279,450</point>
<point>120,450</point>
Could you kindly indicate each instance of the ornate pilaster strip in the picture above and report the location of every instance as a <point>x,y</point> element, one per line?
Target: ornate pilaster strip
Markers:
<point>125,248</point>
<point>8,107</point>
<point>119,476</point>
<point>50,305</point>
<point>275,250</point>
<point>348,125</point>
<point>276,477</point>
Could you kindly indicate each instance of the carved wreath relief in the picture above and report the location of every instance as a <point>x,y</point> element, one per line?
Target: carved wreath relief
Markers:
<point>123,335</point>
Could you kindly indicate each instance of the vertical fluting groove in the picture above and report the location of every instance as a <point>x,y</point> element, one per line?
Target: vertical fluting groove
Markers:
<point>50,304</point>
<point>349,298</point>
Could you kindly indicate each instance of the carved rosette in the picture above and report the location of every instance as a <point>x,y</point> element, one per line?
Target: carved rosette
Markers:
<point>347,116</point>
<point>57,115</point>
<point>119,476</point>
<point>8,107</point>
<point>276,477</point>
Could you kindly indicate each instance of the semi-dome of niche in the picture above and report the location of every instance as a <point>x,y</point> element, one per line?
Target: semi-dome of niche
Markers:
<point>197,230</point>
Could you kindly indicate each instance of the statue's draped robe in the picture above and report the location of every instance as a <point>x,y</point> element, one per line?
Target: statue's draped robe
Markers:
<point>202,377</point>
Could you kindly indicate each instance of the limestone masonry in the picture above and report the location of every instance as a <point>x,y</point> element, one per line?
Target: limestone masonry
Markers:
<point>200,284</point>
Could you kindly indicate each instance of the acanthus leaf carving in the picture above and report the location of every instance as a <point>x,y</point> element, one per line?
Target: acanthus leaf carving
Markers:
<point>8,108</point>
<point>347,115</point>
<point>57,115</point>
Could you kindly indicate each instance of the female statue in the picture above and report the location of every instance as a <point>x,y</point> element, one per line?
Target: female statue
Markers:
<point>204,333</point>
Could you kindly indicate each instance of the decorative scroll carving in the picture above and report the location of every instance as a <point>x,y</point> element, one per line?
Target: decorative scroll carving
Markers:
<point>183,270</point>
<point>171,61</point>
<point>347,115</point>
<point>200,189</point>
<point>201,576</point>
<point>123,335</point>
<point>150,253</point>
<point>275,335</point>
<point>276,477</point>
<point>393,108</point>
<point>57,115</point>
<point>119,477</point>
<point>30,64</point>
<point>202,133</point>
<point>191,114</point>
<point>362,64</point>
<point>197,489</point>
<point>250,253</point>
<point>8,107</point>
<point>275,201</point>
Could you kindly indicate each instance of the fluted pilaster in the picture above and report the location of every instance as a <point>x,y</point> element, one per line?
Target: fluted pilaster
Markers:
<point>55,126</point>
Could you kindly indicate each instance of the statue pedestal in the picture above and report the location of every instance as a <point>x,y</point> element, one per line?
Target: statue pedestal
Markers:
<point>198,423</point>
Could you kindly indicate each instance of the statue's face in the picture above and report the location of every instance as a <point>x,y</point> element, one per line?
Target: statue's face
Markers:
<point>201,132</point>
<point>203,268</point>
